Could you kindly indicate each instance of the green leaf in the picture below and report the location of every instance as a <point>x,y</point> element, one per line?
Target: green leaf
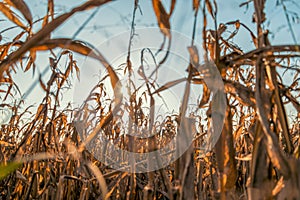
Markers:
<point>8,168</point>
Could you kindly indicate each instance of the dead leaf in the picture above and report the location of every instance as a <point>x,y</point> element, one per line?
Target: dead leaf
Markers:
<point>22,7</point>
<point>194,55</point>
<point>196,4</point>
<point>43,33</point>
<point>169,85</point>
<point>100,179</point>
<point>205,96</point>
<point>210,8</point>
<point>162,17</point>
<point>11,15</point>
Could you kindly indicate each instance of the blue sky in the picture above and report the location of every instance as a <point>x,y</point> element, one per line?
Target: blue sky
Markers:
<point>115,18</point>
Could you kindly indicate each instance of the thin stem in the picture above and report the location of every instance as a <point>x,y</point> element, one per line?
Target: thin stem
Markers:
<point>289,22</point>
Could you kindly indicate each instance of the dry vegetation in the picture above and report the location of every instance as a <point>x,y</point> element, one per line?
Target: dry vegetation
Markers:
<point>256,156</point>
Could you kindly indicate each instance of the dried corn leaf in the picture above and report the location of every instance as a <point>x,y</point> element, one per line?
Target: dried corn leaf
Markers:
<point>162,17</point>
<point>210,8</point>
<point>196,4</point>
<point>100,179</point>
<point>205,96</point>
<point>42,83</point>
<point>6,143</point>
<point>22,7</point>
<point>85,50</point>
<point>11,15</point>
<point>51,8</point>
<point>169,85</point>
<point>194,55</point>
<point>172,7</point>
<point>44,32</point>
<point>31,61</point>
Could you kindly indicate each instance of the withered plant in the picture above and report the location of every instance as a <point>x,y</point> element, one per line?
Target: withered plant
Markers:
<point>43,150</point>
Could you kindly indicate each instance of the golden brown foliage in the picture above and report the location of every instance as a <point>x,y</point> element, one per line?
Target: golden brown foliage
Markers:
<point>256,156</point>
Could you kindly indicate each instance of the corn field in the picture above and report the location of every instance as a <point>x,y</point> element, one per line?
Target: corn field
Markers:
<point>49,150</point>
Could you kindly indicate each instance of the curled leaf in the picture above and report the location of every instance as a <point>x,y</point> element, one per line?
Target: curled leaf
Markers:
<point>43,33</point>
<point>22,7</point>
<point>11,15</point>
<point>100,178</point>
<point>84,49</point>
